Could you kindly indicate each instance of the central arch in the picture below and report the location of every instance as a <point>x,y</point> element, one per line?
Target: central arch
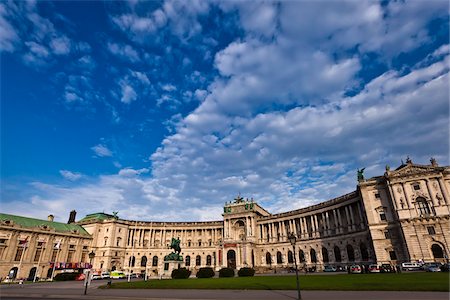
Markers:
<point>231,259</point>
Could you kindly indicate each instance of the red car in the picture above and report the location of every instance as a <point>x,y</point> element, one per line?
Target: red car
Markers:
<point>355,269</point>
<point>374,269</point>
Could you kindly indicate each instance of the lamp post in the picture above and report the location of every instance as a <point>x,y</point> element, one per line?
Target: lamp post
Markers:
<point>293,239</point>
<point>91,257</point>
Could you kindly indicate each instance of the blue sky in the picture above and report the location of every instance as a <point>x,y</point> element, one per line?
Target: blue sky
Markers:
<point>164,110</point>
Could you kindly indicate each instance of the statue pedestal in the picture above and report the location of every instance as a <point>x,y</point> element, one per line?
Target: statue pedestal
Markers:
<point>169,266</point>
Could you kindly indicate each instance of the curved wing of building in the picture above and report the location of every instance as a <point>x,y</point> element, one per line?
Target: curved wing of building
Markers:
<point>399,217</point>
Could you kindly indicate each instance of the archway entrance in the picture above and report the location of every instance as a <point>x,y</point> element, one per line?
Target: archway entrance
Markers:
<point>13,273</point>
<point>438,253</point>
<point>231,259</point>
<point>31,274</point>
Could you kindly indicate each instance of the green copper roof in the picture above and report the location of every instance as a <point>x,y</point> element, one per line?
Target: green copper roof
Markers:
<point>97,217</point>
<point>36,223</point>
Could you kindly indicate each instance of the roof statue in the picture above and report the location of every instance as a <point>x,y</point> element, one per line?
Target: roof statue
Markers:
<point>360,174</point>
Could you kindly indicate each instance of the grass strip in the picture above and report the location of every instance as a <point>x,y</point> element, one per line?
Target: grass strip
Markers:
<point>438,282</point>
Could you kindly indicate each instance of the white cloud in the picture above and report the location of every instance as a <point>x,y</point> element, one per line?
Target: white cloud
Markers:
<point>125,52</point>
<point>132,172</point>
<point>8,36</point>
<point>101,150</point>
<point>61,45</point>
<point>128,93</point>
<point>72,176</point>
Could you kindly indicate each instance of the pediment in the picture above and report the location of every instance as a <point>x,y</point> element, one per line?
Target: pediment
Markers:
<point>412,169</point>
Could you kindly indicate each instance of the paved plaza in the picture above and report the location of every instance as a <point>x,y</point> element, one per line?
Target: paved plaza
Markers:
<point>74,290</point>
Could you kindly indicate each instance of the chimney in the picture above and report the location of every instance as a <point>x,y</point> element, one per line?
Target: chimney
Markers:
<point>50,218</point>
<point>72,216</point>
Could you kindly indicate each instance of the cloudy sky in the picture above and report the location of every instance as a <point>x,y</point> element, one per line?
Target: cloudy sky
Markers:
<point>166,110</point>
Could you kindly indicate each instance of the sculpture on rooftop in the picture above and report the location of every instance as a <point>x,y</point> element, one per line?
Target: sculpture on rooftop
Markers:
<point>360,174</point>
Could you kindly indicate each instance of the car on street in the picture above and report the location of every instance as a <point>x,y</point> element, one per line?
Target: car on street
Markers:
<point>411,266</point>
<point>374,269</point>
<point>432,267</point>
<point>386,268</point>
<point>105,275</point>
<point>355,269</point>
<point>329,269</point>
<point>117,275</point>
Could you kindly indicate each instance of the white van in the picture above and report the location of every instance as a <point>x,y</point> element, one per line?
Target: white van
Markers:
<point>411,266</point>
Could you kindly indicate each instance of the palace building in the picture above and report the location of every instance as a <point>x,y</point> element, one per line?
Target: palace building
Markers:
<point>400,216</point>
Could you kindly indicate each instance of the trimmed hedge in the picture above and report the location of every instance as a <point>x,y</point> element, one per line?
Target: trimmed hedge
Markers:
<point>66,276</point>
<point>246,272</point>
<point>181,273</point>
<point>226,272</point>
<point>205,273</point>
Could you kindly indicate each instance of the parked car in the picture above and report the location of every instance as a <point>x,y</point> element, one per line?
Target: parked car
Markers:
<point>96,276</point>
<point>117,275</point>
<point>356,269</point>
<point>105,275</point>
<point>386,268</point>
<point>374,269</point>
<point>329,269</point>
<point>411,266</point>
<point>432,267</point>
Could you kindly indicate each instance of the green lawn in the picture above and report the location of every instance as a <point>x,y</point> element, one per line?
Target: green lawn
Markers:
<point>356,282</point>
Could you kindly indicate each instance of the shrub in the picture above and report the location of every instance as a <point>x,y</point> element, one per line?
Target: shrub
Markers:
<point>181,273</point>
<point>226,272</point>
<point>246,272</point>
<point>205,273</point>
<point>66,276</point>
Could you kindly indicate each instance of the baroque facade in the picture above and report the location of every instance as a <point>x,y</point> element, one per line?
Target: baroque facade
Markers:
<point>400,216</point>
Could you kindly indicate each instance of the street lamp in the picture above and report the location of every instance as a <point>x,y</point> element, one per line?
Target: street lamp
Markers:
<point>293,239</point>
<point>91,257</point>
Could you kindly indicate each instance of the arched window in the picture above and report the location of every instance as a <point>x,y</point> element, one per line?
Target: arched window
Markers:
<point>208,260</point>
<point>198,260</point>
<point>422,206</point>
<point>301,254</point>
<point>437,251</point>
<point>268,259</point>
<point>364,252</point>
<point>350,253</point>
<point>132,261</point>
<point>337,254</point>
<point>313,256</point>
<point>144,261</point>
<point>290,257</point>
<point>325,255</point>
<point>188,261</point>
<point>279,258</point>
<point>155,261</point>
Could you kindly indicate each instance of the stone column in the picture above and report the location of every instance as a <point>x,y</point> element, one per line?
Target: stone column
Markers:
<point>430,192</point>
<point>352,217</point>
<point>443,190</point>
<point>339,220</point>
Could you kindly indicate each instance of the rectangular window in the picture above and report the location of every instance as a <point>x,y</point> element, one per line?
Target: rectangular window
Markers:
<point>54,254</point>
<point>84,256</point>
<point>71,246</point>
<point>37,254</point>
<point>18,253</point>
<point>416,187</point>
<point>166,266</point>
<point>382,215</point>
<point>387,234</point>
<point>70,256</point>
<point>431,230</point>
<point>377,195</point>
<point>392,255</point>
<point>2,241</point>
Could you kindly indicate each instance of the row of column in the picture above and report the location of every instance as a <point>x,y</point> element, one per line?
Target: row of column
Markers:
<point>336,221</point>
<point>138,236</point>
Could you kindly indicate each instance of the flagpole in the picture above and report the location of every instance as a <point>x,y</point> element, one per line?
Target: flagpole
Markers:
<point>56,258</point>
<point>39,262</point>
<point>21,257</point>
